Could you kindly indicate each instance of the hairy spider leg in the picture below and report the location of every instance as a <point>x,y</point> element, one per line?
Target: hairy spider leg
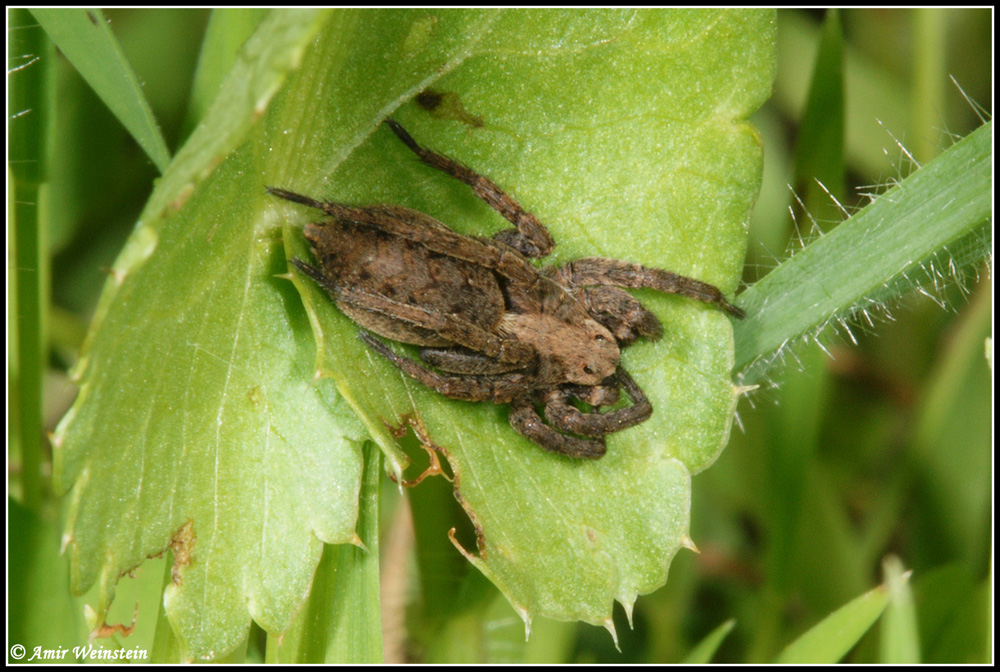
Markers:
<point>605,393</point>
<point>602,271</point>
<point>499,389</point>
<point>295,198</point>
<point>620,312</point>
<point>564,416</point>
<point>316,275</point>
<point>413,225</point>
<point>507,351</point>
<point>458,361</point>
<point>531,239</point>
<point>526,422</point>
<point>503,388</point>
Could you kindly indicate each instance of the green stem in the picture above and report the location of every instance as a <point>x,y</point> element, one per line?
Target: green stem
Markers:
<point>930,63</point>
<point>30,347</point>
<point>31,62</point>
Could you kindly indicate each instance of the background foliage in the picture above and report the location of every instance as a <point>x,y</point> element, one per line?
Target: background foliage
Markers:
<point>880,451</point>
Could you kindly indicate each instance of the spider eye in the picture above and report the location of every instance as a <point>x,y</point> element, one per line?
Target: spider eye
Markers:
<point>588,370</point>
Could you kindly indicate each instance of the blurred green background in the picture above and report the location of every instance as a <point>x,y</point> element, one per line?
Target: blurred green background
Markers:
<point>877,449</point>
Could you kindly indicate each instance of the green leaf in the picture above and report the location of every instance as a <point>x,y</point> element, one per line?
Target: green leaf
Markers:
<point>668,184</point>
<point>197,425</point>
<point>199,422</point>
<point>261,66</point>
<point>30,63</point>
<point>876,93</point>
<point>830,640</point>
<point>42,611</point>
<point>341,620</point>
<point>956,402</point>
<point>84,37</point>
<point>819,159</point>
<point>197,409</point>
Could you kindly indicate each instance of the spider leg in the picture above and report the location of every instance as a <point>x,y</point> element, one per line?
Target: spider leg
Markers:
<point>526,422</point>
<point>500,389</point>
<point>604,394</point>
<point>510,352</point>
<point>622,314</point>
<point>413,225</point>
<point>295,198</point>
<point>531,239</point>
<point>466,362</point>
<point>563,415</point>
<point>453,328</point>
<point>316,275</point>
<point>601,271</point>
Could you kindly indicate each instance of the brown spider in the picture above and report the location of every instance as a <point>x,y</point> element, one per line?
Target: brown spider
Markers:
<point>493,326</point>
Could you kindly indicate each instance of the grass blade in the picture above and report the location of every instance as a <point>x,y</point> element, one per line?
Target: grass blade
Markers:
<point>84,37</point>
<point>707,647</point>
<point>831,639</point>
<point>933,218</point>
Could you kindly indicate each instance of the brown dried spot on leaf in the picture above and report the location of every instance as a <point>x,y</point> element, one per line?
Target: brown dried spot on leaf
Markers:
<point>447,105</point>
<point>414,423</point>
<point>182,544</point>
<point>106,630</point>
<point>480,533</point>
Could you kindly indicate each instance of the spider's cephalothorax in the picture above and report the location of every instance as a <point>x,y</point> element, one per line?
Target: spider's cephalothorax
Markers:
<point>492,326</point>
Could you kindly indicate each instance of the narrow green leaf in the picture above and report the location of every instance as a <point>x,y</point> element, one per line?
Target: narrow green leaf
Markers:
<point>829,640</point>
<point>956,614</point>
<point>930,77</point>
<point>900,640</point>
<point>706,648</point>
<point>819,150</point>
<point>166,646</point>
<point>930,224</point>
<point>957,400</point>
<point>30,66</point>
<point>876,93</point>
<point>356,635</point>
<point>84,37</point>
<point>444,575</point>
<point>798,417</point>
<point>228,28</point>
